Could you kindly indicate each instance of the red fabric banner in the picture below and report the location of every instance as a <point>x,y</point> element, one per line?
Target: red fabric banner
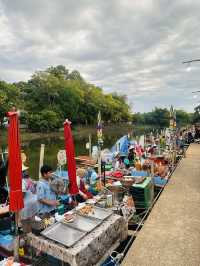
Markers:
<point>70,154</point>
<point>14,163</point>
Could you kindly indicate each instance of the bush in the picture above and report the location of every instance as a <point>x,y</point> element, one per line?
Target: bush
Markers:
<point>45,121</point>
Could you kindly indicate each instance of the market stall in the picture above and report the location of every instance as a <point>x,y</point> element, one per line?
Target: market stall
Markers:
<point>85,246</point>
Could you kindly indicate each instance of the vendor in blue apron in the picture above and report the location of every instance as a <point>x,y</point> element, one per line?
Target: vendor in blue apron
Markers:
<point>47,200</point>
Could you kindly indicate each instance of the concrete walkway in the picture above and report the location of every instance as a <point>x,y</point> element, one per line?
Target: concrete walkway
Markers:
<point>171,234</point>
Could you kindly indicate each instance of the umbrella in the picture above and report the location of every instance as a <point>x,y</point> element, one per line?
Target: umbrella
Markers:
<point>70,154</point>
<point>15,173</point>
<point>15,163</point>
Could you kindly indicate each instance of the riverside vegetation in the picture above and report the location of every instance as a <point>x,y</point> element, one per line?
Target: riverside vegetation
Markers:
<point>54,94</point>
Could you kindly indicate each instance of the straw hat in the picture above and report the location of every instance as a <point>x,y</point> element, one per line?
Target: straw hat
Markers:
<point>81,172</point>
<point>24,167</point>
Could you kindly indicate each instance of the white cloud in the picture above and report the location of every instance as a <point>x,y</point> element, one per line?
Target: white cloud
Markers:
<point>133,47</point>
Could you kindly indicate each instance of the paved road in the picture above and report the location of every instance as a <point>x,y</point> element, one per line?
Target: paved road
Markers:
<point>171,234</point>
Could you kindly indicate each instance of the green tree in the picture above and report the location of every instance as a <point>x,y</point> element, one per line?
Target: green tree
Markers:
<point>182,118</point>
<point>68,95</point>
<point>196,117</point>
<point>9,97</point>
<point>44,121</point>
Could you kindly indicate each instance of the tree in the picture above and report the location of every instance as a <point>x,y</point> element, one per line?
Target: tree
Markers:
<point>196,118</point>
<point>60,94</point>
<point>9,97</point>
<point>182,118</point>
<point>44,121</point>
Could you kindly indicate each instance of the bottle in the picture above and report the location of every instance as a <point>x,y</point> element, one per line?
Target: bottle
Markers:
<point>21,247</point>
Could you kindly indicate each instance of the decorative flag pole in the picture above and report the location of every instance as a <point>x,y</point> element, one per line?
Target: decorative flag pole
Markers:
<point>70,154</point>
<point>172,133</point>
<point>15,173</point>
<point>100,143</point>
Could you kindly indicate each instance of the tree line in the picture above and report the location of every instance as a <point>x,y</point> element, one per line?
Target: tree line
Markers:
<point>161,117</point>
<point>52,95</point>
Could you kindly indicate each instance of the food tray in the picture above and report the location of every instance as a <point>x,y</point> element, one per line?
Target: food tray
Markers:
<point>63,234</point>
<point>98,213</point>
<point>83,223</point>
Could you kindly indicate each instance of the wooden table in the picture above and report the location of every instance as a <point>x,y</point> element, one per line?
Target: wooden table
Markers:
<point>91,248</point>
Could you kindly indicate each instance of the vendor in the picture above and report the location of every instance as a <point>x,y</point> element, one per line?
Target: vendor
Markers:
<point>83,194</point>
<point>131,154</point>
<point>161,174</point>
<point>46,197</point>
<point>30,200</point>
<point>92,180</point>
<point>138,165</point>
<point>91,176</point>
<point>118,162</point>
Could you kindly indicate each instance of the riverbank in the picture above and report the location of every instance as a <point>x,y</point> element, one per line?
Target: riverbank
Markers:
<point>31,142</point>
<point>80,132</point>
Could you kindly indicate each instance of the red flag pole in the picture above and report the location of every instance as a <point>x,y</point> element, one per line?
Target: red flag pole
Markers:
<point>70,154</point>
<point>15,173</point>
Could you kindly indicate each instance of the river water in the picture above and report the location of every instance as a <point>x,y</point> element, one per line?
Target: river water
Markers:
<point>54,144</point>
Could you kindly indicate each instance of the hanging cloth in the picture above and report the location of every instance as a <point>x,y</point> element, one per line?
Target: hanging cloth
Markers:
<point>14,164</point>
<point>70,154</point>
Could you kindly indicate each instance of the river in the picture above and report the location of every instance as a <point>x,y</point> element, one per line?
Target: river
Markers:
<point>55,143</point>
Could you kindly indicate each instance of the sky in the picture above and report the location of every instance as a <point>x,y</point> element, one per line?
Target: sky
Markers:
<point>132,47</point>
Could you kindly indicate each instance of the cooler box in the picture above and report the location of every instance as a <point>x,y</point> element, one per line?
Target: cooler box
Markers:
<point>143,194</point>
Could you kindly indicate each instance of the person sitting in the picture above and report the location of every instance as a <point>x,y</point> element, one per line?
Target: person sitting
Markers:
<point>190,137</point>
<point>161,174</point>
<point>29,183</point>
<point>46,197</point>
<point>91,180</point>
<point>116,161</point>
<point>83,194</point>
<point>138,165</point>
<point>131,154</point>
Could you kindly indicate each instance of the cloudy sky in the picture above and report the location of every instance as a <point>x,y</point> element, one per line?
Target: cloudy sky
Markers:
<point>133,47</point>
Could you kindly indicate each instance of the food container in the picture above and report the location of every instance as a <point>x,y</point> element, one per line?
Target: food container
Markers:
<point>118,193</point>
<point>96,212</point>
<point>101,203</point>
<point>109,201</point>
<point>63,234</point>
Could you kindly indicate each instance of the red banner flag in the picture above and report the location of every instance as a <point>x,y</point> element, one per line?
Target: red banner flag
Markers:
<point>14,163</point>
<point>70,154</point>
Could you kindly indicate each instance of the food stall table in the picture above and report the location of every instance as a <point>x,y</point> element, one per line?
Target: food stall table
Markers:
<point>91,248</point>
